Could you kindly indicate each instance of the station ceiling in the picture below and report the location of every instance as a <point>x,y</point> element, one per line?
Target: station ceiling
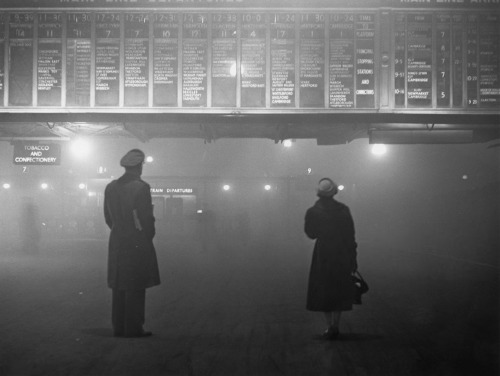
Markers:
<point>327,129</point>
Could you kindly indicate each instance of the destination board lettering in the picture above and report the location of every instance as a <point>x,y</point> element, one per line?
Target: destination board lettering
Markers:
<point>49,63</point>
<point>312,60</point>
<point>78,59</point>
<point>419,60</point>
<point>472,62</point>
<point>3,23</point>
<point>136,59</point>
<point>107,55</point>
<point>457,53</point>
<point>224,50</point>
<point>443,59</point>
<point>283,60</point>
<point>194,59</point>
<point>21,59</point>
<point>166,59</point>
<point>400,60</point>
<point>253,60</point>
<point>341,61</point>
<point>436,55</point>
<point>489,60</point>
<point>365,60</point>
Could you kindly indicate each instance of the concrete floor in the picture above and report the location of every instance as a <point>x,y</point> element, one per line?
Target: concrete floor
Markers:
<point>240,311</point>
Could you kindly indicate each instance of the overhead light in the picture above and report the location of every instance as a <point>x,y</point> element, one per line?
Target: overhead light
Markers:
<point>81,185</point>
<point>44,186</point>
<point>379,149</point>
<point>6,185</point>
<point>149,159</point>
<point>287,143</point>
<point>226,187</point>
<point>341,187</point>
<point>267,187</point>
<point>81,148</point>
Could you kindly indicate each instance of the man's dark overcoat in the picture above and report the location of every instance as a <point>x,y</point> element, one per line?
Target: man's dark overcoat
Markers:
<point>132,262</point>
<point>334,257</point>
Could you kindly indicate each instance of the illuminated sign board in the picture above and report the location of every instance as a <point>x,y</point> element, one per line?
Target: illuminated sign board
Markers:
<point>258,56</point>
<point>34,153</point>
<point>173,191</point>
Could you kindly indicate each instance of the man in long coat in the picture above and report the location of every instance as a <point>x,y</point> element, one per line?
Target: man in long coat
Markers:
<point>331,289</point>
<point>132,262</point>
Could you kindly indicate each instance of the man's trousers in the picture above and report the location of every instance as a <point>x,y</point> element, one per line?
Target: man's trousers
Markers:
<point>128,312</point>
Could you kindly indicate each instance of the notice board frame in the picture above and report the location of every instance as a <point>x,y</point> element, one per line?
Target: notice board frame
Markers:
<point>383,54</point>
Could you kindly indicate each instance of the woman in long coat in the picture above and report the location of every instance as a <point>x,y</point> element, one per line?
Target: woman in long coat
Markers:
<point>331,289</point>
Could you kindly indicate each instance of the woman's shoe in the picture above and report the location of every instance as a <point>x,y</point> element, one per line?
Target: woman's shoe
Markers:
<point>331,333</point>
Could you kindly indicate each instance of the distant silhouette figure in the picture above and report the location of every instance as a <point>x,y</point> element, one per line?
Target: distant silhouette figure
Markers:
<point>132,263</point>
<point>30,228</point>
<point>331,289</point>
<point>206,227</point>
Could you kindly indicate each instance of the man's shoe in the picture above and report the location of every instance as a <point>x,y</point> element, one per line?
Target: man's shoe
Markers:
<point>141,334</point>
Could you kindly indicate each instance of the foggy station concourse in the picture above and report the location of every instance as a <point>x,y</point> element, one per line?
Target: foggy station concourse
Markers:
<point>213,91</point>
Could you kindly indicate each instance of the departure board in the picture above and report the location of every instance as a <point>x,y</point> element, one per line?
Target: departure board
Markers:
<point>107,58</point>
<point>224,43</point>
<point>136,59</point>
<point>21,25</point>
<point>165,59</point>
<point>166,55</point>
<point>78,59</point>
<point>3,23</point>
<point>194,59</point>
<point>49,62</point>
<point>253,59</point>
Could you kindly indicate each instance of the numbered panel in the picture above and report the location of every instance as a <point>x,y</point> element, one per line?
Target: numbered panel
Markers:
<point>223,59</point>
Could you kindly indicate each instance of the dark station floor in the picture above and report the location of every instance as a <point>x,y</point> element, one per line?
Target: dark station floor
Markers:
<point>240,311</point>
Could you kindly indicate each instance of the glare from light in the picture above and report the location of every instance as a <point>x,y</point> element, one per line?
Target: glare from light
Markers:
<point>379,149</point>
<point>44,186</point>
<point>6,185</point>
<point>341,187</point>
<point>81,186</point>
<point>149,159</point>
<point>232,70</point>
<point>287,143</point>
<point>92,194</point>
<point>267,187</point>
<point>199,211</point>
<point>226,187</point>
<point>81,148</point>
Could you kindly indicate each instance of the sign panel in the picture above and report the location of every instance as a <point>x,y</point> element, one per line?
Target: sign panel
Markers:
<point>172,191</point>
<point>224,38</point>
<point>437,55</point>
<point>49,63</point>
<point>283,60</point>
<point>21,58</point>
<point>166,59</point>
<point>107,59</point>
<point>136,59</point>
<point>78,59</point>
<point>312,60</point>
<point>34,153</point>
<point>194,59</point>
<point>253,60</point>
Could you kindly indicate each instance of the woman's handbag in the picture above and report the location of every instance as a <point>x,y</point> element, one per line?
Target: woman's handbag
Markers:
<point>360,287</point>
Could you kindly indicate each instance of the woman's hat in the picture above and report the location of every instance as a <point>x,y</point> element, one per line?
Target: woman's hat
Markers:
<point>327,188</point>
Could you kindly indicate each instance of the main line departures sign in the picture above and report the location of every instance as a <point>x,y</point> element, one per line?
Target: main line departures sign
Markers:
<point>257,56</point>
